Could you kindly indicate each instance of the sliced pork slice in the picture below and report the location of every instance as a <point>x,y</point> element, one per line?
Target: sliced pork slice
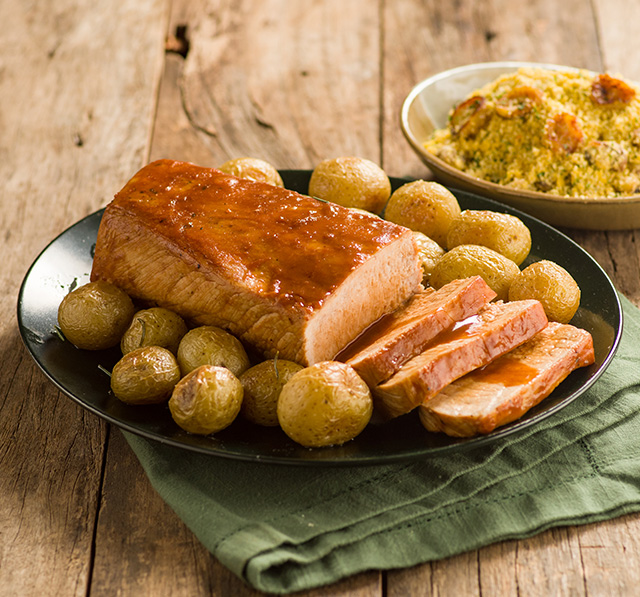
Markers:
<point>472,343</point>
<point>387,345</point>
<point>284,272</point>
<point>507,388</point>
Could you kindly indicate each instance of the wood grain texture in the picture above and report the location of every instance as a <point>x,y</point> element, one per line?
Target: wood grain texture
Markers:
<point>142,547</point>
<point>245,94</point>
<point>76,118</point>
<point>608,553</point>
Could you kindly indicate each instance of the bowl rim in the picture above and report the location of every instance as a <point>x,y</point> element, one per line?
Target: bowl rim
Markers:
<point>472,181</point>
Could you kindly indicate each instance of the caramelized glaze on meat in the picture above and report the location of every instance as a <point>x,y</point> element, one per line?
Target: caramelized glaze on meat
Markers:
<point>283,244</point>
<point>511,385</point>
<point>270,265</point>
<point>472,343</point>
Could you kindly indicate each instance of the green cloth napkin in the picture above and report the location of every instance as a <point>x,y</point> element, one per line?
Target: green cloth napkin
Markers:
<point>284,529</point>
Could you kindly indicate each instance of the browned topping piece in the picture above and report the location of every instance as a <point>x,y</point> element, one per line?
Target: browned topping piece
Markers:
<point>469,116</point>
<point>519,102</point>
<point>607,155</point>
<point>472,343</point>
<point>507,388</point>
<point>563,133</point>
<point>608,91</point>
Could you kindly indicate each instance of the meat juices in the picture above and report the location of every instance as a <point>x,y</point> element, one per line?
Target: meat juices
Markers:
<point>387,345</point>
<point>474,342</point>
<point>507,388</point>
<point>286,273</point>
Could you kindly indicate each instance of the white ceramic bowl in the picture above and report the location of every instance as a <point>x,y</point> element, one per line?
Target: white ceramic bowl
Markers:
<point>427,108</point>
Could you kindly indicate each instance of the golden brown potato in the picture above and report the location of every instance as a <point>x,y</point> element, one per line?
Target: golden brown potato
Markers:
<point>429,252</point>
<point>324,404</point>
<point>552,285</point>
<point>210,345</point>
<point>95,316</point>
<point>425,206</point>
<point>501,232</point>
<point>465,261</point>
<point>154,327</point>
<point>146,375</point>
<point>253,169</point>
<point>207,400</point>
<point>351,182</point>
<point>262,385</point>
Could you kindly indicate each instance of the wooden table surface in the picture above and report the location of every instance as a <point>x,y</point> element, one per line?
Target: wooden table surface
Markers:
<point>92,90</point>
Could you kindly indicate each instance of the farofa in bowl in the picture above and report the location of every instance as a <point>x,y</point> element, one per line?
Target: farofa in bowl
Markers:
<point>567,133</point>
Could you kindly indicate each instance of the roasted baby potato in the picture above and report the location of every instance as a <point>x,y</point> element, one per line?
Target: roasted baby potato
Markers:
<point>552,285</point>
<point>145,375</point>
<point>429,252</point>
<point>154,327</point>
<point>95,315</point>
<point>425,206</point>
<point>262,385</point>
<point>501,232</point>
<point>351,182</point>
<point>465,261</point>
<point>324,404</point>
<point>207,400</point>
<point>210,345</point>
<point>253,169</point>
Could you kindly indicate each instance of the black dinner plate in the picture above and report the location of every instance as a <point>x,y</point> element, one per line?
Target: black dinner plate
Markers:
<point>66,262</point>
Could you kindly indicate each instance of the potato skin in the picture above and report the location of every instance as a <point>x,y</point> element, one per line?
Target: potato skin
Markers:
<point>324,404</point>
<point>429,252</point>
<point>351,182</point>
<point>252,169</point>
<point>465,261</point>
<point>425,206</point>
<point>504,233</point>
<point>262,385</point>
<point>154,327</point>
<point>207,400</point>
<point>211,345</point>
<point>146,375</point>
<point>95,315</point>
<point>552,285</point>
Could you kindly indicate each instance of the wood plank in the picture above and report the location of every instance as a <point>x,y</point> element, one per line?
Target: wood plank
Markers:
<point>609,553</point>
<point>497,569</point>
<point>174,137</point>
<point>50,466</point>
<point>550,564</point>
<point>618,34</point>
<point>292,83</point>
<point>142,547</point>
<point>76,116</point>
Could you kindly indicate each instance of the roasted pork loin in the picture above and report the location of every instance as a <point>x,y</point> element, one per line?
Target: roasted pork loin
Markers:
<point>388,344</point>
<point>508,387</point>
<point>472,343</point>
<point>284,272</point>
